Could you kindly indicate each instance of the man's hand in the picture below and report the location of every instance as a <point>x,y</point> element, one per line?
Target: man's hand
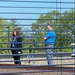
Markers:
<point>19,52</point>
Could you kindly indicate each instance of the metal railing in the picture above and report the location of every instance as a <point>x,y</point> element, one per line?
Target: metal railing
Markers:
<point>59,13</point>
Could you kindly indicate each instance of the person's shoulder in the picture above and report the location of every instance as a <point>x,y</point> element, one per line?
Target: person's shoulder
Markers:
<point>18,37</point>
<point>51,31</point>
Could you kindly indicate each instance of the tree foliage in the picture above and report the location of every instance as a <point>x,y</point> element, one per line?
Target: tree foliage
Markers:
<point>63,25</point>
<point>6,28</point>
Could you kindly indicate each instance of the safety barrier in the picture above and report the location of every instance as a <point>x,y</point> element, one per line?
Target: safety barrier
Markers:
<point>31,19</point>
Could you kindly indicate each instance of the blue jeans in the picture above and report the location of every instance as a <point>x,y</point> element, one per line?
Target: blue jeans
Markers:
<point>49,55</point>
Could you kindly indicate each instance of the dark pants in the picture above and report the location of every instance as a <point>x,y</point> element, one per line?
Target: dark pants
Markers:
<point>16,58</point>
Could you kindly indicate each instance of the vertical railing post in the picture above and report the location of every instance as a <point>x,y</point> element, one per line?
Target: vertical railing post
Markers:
<point>8,38</point>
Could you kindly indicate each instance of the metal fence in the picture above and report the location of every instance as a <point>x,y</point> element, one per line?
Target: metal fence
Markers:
<point>31,19</point>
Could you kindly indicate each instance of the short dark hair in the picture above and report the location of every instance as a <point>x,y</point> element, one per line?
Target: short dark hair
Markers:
<point>50,25</point>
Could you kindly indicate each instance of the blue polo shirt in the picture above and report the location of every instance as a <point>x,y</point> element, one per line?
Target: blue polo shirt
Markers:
<point>50,37</point>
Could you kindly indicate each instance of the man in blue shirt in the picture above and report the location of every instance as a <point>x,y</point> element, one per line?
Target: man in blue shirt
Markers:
<point>49,42</point>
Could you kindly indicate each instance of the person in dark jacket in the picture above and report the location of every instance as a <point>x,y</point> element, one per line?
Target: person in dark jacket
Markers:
<point>16,46</point>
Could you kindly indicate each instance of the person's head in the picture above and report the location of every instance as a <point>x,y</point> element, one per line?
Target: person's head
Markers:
<point>50,27</point>
<point>15,32</point>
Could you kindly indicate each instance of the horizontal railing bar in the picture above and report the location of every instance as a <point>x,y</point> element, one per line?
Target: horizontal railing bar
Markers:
<point>61,42</point>
<point>35,7</point>
<point>41,43</point>
<point>37,71</point>
<point>69,74</point>
<point>36,1</point>
<point>24,72</point>
<point>33,36</point>
<point>36,25</point>
<point>71,2</point>
<point>41,59</point>
<point>65,64</point>
<point>54,70</point>
<point>19,66</point>
<point>63,53</point>
<point>36,60</point>
<point>31,19</point>
<point>35,55</point>
<point>34,71</point>
<point>27,13</point>
<point>20,13</point>
<point>38,48</point>
<point>33,66</point>
<point>37,31</point>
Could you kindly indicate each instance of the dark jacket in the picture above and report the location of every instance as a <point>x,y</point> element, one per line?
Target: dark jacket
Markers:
<point>17,43</point>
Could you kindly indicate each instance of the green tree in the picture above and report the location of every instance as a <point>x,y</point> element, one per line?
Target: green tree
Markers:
<point>6,28</point>
<point>3,39</point>
<point>63,25</point>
